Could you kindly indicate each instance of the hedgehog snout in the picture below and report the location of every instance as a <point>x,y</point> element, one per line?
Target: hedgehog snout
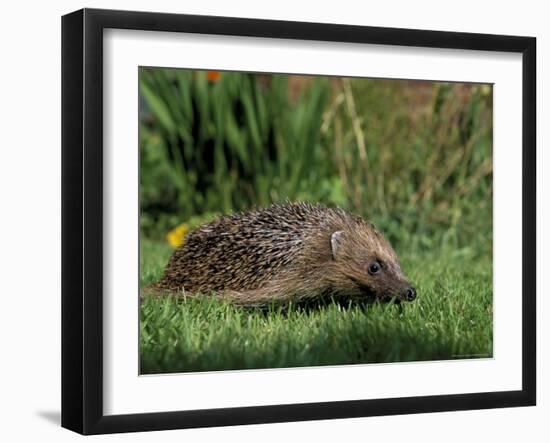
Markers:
<point>409,294</point>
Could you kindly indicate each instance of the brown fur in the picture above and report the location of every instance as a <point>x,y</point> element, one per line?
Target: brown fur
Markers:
<point>294,251</point>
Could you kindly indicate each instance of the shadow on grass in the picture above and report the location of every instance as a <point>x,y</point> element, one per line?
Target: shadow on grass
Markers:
<point>356,340</point>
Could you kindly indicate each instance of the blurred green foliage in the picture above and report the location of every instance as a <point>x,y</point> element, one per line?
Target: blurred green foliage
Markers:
<point>413,157</point>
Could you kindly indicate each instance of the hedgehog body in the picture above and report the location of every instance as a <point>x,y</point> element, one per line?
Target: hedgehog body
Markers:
<point>293,251</point>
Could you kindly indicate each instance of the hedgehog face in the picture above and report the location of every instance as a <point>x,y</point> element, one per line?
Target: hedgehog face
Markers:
<point>368,267</point>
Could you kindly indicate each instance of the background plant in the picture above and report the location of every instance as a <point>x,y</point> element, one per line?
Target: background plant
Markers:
<point>227,144</point>
<point>414,157</point>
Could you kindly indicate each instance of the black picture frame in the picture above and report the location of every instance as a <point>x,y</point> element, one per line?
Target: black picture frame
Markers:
<point>82,219</point>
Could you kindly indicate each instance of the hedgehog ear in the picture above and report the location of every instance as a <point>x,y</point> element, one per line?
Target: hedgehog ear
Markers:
<point>335,242</point>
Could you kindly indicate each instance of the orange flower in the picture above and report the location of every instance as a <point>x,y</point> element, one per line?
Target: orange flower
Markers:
<point>213,76</point>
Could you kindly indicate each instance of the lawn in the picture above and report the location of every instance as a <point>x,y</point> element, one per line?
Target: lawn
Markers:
<point>450,319</point>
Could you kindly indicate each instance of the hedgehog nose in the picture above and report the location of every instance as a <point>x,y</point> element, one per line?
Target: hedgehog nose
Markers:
<point>410,294</point>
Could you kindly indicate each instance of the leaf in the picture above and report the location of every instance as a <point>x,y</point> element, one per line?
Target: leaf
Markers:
<point>158,107</point>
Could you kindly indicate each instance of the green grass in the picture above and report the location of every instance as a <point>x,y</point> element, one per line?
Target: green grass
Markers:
<point>451,318</point>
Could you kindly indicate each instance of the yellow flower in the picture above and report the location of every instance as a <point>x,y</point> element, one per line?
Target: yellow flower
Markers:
<point>176,236</point>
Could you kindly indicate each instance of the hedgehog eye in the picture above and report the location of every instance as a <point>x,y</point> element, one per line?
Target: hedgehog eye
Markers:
<point>374,268</point>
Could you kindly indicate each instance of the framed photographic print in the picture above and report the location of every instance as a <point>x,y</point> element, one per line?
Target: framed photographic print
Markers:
<point>269,221</point>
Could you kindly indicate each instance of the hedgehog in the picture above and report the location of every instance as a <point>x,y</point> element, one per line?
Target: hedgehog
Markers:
<point>287,252</point>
